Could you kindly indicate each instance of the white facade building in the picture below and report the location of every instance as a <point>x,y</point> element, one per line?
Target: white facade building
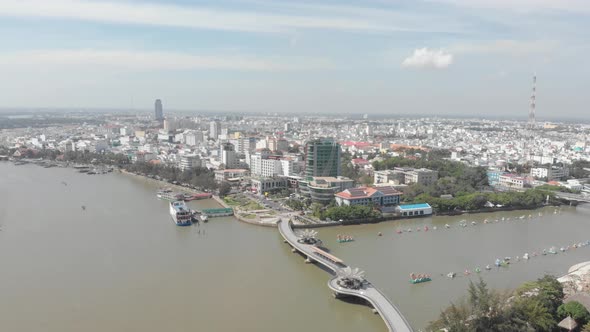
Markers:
<point>190,161</point>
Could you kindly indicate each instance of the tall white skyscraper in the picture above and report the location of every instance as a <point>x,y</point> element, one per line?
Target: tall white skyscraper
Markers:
<point>214,129</point>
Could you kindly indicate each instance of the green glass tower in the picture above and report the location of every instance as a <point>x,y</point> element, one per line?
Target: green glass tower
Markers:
<point>322,158</point>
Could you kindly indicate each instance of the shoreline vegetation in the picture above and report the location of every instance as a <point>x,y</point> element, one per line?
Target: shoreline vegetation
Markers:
<point>534,306</point>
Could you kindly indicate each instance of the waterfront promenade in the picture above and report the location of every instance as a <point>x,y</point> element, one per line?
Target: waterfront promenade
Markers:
<point>390,314</point>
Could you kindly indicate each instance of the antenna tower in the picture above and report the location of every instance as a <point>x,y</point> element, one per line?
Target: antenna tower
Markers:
<point>531,123</point>
<point>532,120</point>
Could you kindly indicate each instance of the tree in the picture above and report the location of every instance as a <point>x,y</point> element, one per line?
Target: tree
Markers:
<point>224,188</point>
<point>536,314</point>
<point>574,309</point>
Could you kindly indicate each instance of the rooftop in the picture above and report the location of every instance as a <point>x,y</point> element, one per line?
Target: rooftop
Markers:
<point>415,206</point>
<point>366,192</point>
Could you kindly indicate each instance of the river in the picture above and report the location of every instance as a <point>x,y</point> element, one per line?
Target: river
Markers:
<point>121,264</point>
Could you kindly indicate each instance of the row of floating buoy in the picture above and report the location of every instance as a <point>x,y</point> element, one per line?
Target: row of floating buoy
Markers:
<point>506,261</point>
<point>464,223</point>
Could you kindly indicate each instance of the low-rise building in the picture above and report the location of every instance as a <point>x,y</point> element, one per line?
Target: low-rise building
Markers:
<point>406,175</point>
<point>322,189</point>
<point>512,181</point>
<point>553,172</point>
<point>190,161</point>
<point>375,196</point>
<point>231,174</point>
<point>413,210</point>
<point>494,176</point>
<point>262,185</point>
<point>421,176</point>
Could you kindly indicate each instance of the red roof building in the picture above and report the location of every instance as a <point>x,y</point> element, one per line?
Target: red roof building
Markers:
<point>380,196</point>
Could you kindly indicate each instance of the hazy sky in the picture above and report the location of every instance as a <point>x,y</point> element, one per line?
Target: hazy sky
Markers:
<point>373,56</point>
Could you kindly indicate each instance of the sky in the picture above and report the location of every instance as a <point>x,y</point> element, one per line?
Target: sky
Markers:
<point>438,57</point>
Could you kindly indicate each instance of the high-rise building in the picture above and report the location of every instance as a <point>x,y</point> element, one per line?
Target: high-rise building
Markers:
<point>214,129</point>
<point>322,158</point>
<point>159,110</point>
<point>170,124</point>
<point>228,156</point>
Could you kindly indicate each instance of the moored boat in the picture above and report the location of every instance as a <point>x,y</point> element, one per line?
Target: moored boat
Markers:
<point>180,213</point>
<point>169,195</point>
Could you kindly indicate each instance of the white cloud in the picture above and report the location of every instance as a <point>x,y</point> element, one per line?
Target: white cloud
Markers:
<point>426,58</point>
<point>254,20</point>
<point>506,46</point>
<point>133,60</point>
<point>523,5</point>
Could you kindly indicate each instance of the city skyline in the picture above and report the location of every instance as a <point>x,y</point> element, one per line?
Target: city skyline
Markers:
<point>443,57</point>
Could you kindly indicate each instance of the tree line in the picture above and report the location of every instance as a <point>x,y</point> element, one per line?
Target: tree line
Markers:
<point>531,198</point>
<point>199,177</point>
<point>534,306</point>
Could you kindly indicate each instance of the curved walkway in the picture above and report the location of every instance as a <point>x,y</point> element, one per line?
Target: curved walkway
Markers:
<point>393,318</point>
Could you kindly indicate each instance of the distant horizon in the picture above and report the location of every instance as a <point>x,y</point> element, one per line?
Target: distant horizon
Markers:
<point>351,116</point>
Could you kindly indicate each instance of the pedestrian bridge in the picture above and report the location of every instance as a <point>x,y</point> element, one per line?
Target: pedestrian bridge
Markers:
<point>390,314</point>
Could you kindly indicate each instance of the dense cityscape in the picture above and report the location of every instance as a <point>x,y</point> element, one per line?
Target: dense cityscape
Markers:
<point>262,166</point>
<point>326,171</point>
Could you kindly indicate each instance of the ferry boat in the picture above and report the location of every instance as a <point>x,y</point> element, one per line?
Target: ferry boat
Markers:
<point>168,195</point>
<point>180,213</point>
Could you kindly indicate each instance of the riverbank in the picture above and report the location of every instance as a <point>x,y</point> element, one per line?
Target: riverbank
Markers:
<point>490,210</point>
<point>165,184</point>
<point>577,280</point>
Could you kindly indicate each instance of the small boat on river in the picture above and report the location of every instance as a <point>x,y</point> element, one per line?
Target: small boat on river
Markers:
<point>419,278</point>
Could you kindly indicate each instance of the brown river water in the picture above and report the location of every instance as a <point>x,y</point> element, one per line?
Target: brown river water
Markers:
<point>122,265</point>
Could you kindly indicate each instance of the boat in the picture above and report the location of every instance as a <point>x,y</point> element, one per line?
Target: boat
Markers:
<point>447,226</point>
<point>416,279</point>
<point>434,228</point>
<point>488,267</point>
<point>180,213</point>
<point>553,250</point>
<point>473,223</point>
<point>526,255</point>
<point>169,195</point>
<point>192,197</point>
<point>498,262</point>
<point>477,270</point>
<point>203,218</point>
<point>451,275</point>
<point>345,239</point>
<point>398,231</point>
